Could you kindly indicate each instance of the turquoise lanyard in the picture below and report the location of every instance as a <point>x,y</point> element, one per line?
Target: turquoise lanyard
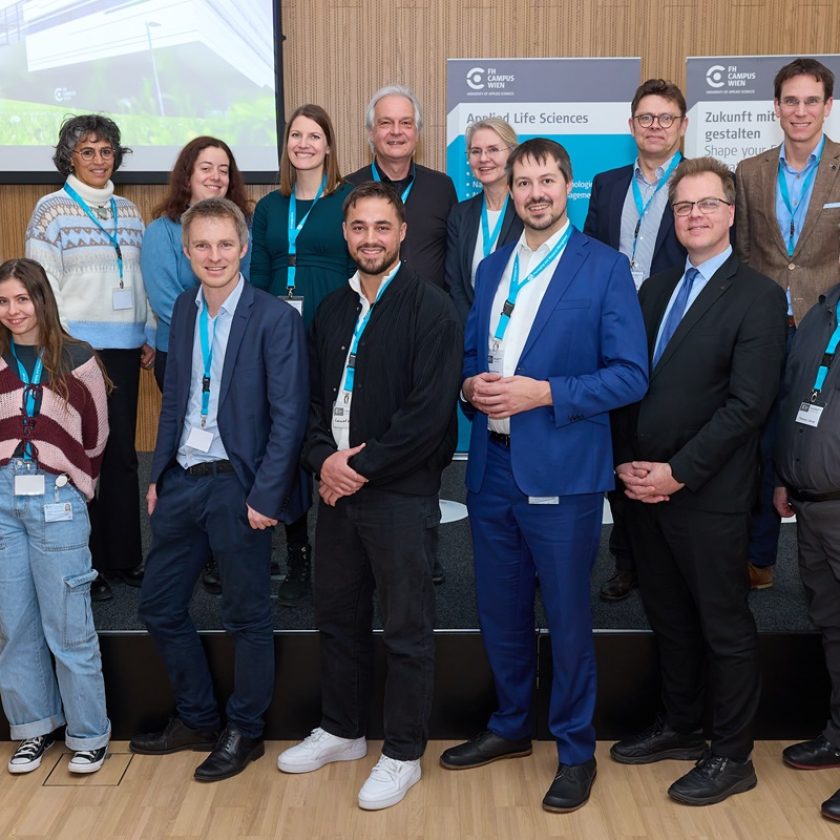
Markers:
<point>489,239</point>
<point>642,206</point>
<point>294,230</point>
<point>30,388</point>
<point>207,358</point>
<point>516,285</point>
<point>407,191</point>
<point>825,364</point>
<point>783,189</point>
<point>112,237</point>
<point>361,326</point>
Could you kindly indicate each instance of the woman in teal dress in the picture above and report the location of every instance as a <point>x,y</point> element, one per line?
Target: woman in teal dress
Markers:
<point>298,246</point>
<point>298,252</point>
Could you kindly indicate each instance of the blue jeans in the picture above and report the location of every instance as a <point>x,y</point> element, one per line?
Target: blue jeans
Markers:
<point>45,577</point>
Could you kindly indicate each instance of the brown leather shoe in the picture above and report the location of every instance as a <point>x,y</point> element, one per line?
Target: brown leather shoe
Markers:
<point>761,577</point>
<point>619,586</point>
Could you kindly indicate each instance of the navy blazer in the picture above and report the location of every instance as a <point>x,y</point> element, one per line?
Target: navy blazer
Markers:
<point>462,228</point>
<point>588,340</point>
<point>603,221</point>
<point>263,399</point>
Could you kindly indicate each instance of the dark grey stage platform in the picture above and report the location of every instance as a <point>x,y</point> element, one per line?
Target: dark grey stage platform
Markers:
<point>794,700</point>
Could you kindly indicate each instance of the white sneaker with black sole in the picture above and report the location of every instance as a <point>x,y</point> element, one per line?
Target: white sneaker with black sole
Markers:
<point>388,783</point>
<point>30,751</point>
<point>320,748</point>
<point>87,761</point>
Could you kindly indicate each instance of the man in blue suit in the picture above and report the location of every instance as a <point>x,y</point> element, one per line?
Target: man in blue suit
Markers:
<point>629,211</point>
<point>553,343</point>
<point>224,472</point>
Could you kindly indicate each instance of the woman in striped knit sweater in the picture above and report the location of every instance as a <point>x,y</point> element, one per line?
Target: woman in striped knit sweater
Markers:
<point>53,429</point>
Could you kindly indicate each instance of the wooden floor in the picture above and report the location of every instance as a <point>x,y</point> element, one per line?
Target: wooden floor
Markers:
<point>144,798</point>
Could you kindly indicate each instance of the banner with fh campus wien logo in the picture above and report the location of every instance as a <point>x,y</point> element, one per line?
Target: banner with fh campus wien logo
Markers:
<point>730,105</point>
<point>583,103</point>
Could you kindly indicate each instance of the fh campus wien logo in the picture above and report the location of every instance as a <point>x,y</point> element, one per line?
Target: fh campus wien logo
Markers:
<point>728,76</point>
<point>488,78</point>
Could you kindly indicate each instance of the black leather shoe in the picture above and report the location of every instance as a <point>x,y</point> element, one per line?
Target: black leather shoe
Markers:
<point>830,809</point>
<point>176,737</point>
<point>230,756</point>
<point>713,779</point>
<point>571,787</point>
<point>812,755</point>
<point>295,586</point>
<point>211,581</point>
<point>657,742</point>
<point>619,586</point>
<point>130,577</point>
<point>100,590</point>
<point>438,574</point>
<point>483,749</point>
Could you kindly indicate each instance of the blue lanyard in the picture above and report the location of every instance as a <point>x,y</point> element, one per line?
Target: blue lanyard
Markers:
<point>489,239</point>
<point>516,285</point>
<point>361,326</point>
<point>30,387</point>
<point>207,358</point>
<point>783,189</point>
<point>642,206</point>
<point>112,237</point>
<point>295,229</point>
<point>407,191</point>
<point>827,359</point>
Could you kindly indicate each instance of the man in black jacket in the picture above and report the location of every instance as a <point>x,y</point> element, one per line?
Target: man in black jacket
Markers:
<point>385,361</point>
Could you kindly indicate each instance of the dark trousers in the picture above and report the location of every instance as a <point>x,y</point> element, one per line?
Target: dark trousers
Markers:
<point>818,535</point>
<point>160,368</point>
<point>619,538</point>
<point>514,544</point>
<point>375,540</point>
<point>194,517</point>
<point>115,512</point>
<point>693,581</point>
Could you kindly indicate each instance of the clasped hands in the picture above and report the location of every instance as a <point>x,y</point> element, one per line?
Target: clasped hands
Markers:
<point>500,396</point>
<point>648,481</point>
<point>338,478</point>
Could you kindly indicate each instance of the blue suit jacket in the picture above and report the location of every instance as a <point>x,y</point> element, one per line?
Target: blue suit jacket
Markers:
<point>588,340</point>
<point>263,399</point>
<point>603,221</point>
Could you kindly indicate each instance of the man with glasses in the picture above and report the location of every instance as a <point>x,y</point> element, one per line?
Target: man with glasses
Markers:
<point>687,455</point>
<point>788,211</point>
<point>629,210</point>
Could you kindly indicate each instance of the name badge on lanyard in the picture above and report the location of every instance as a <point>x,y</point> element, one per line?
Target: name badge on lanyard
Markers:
<point>810,410</point>
<point>641,208</point>
<point>295,227</point>
<point>341,411</point>
<point>295,301</point>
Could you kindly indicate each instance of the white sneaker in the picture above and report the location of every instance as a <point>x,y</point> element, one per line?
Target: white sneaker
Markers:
<point>27,757</point>
<point>320,748</point>
<point>388,783</point>
<point>87,761</point>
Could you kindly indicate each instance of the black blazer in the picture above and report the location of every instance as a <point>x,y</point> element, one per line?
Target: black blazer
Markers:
<point>461,235</point>
<point>712,389</point>
<point>603,221</point>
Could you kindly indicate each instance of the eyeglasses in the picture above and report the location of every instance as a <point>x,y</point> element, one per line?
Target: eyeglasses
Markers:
<point>706,206</point>
<point>89,154</point>
<point>664,120</point>
<point>791,103</point>
<point>490,151</point>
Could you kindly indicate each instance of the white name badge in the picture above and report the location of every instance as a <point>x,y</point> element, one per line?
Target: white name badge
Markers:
<point>543,500</point>
<point>58,512</point>
<point>29,485</point>
<point>200,439</point>
<point>495,356</point>
<point>295,301</point>
<point>122,299</point>
<point>341,411</point>
<point>638,277</point>
<point>809,414</point>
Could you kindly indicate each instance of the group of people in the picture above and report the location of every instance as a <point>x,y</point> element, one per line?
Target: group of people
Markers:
<point>644,352</point>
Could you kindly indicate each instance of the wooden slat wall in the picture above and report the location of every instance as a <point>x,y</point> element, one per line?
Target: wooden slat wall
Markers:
<point>338,52</point>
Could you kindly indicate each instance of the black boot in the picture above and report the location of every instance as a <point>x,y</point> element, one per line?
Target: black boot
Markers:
<point>295,586</point>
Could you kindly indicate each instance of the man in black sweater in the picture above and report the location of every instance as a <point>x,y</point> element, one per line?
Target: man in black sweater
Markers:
<point>385,361</point>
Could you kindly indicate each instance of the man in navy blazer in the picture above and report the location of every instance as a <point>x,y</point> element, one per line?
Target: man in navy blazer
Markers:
<point>629,211</point>
<point>224,472</point>
<point>554,342</point>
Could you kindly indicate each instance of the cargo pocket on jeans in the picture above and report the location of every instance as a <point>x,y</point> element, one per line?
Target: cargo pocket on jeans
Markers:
<point>78,616</point>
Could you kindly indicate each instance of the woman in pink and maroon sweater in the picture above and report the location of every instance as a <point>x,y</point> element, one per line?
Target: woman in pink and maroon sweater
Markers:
<point>53,429</point>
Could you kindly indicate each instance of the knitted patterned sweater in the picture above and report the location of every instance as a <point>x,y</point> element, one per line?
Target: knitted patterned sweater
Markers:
<point>66,438</point>
<point>81,264</point>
